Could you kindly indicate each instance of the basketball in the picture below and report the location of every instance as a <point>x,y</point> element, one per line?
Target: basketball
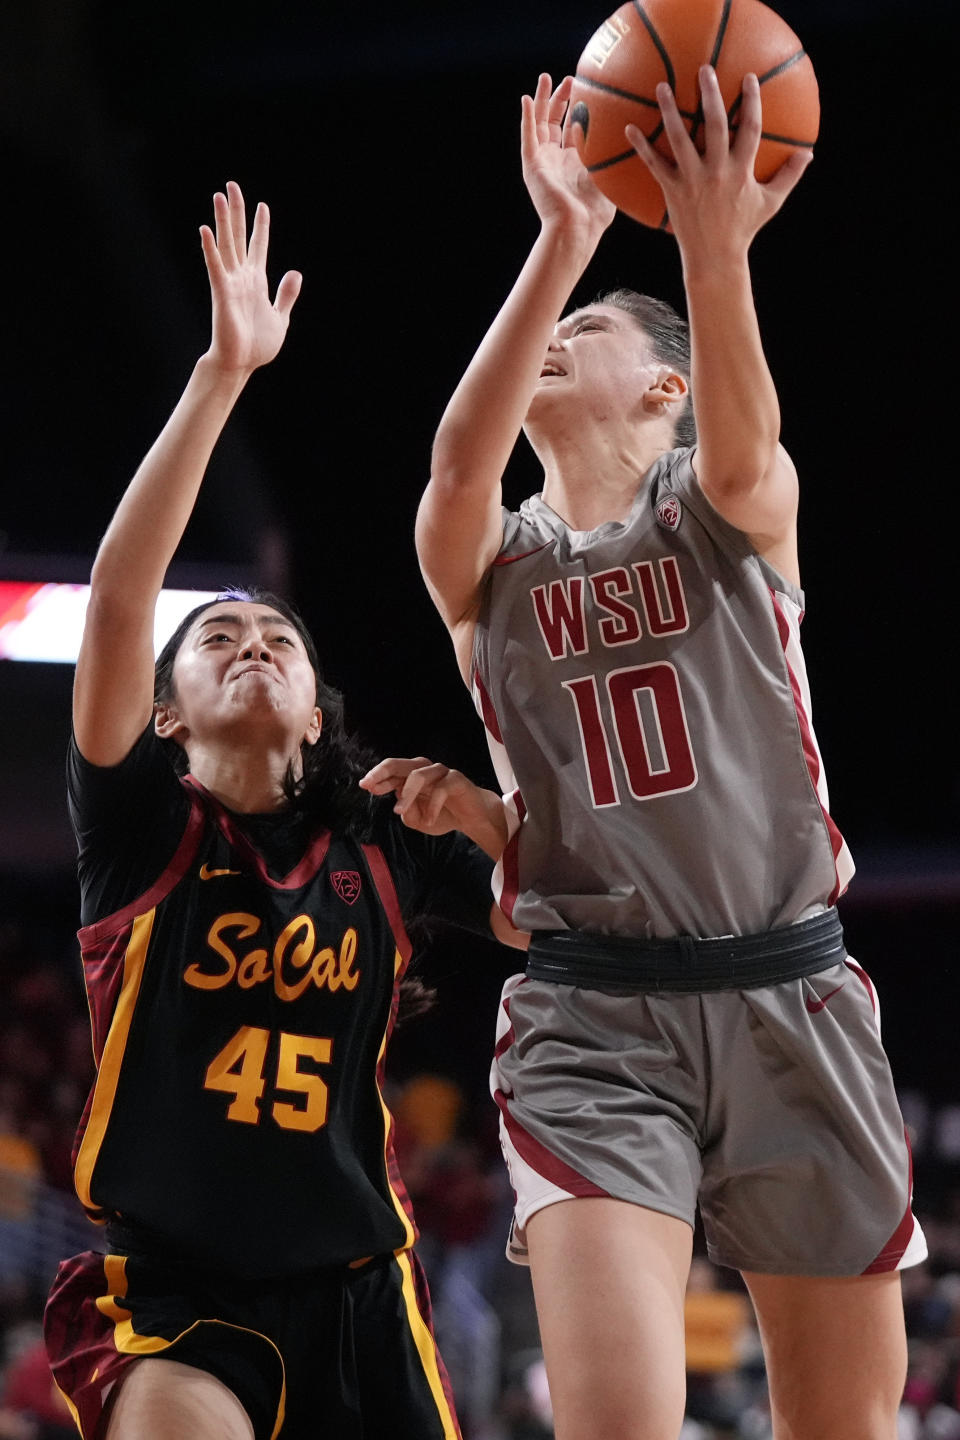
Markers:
<point>649,41</point>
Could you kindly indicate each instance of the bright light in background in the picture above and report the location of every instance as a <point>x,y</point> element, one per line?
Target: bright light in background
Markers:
<point>41,621</point>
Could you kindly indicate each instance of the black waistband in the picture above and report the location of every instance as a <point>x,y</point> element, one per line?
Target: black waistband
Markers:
<point>684,963</point>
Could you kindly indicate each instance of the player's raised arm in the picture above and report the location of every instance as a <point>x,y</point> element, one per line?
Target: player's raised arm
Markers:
<point>716,208</point>
<point>113,689</point>
<point>459,522</point>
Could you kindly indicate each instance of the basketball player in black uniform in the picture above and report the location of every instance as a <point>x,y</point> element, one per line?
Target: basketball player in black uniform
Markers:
<point>243,941</point>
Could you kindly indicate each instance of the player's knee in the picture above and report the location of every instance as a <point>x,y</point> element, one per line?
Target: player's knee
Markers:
<point>866,1415</point>
<point>657,1415</point>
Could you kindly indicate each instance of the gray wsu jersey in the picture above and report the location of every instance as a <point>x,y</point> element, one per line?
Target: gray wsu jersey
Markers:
<point>646,681</point>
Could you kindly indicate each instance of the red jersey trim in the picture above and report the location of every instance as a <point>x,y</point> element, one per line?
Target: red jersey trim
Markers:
<point>486,708</point>
<point>807,742</point>
<point>510,863</point>
<point>893,1252</point>
<point>305,868</point>
<point>536,1155</point>
<point>383,881</point>
<point>91,935</point>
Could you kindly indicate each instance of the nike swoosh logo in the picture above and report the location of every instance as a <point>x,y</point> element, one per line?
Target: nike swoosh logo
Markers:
<point>512,559</point>
<point>207,874</point>
<point>815,1006</point>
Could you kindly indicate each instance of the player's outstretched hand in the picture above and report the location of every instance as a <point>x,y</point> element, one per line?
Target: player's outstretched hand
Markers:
<point>558,181</point>
<point>716,204</point>
<point>427,793</point>
<point>248,329</point>
<point>434,799</point>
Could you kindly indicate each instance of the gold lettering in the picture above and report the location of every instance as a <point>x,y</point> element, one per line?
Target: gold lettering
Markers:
<point>323,971</point>
<point>296,964</point>
<point>253,969</point>
<point>205,980</point>
<point>300,956</point>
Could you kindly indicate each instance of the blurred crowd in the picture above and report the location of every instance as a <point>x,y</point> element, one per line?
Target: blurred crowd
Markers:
<point>448,1150</point>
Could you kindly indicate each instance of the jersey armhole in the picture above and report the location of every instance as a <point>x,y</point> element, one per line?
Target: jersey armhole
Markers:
<point>387,891</point>
<point>172,874</point>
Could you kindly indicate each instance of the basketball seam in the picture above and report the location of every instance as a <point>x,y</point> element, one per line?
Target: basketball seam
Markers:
<point>613,160</point>
<point>721,32</point>
<point>784,65</point>
<point>717,47</point>
<point>660,47</point>
<point>612,90</point>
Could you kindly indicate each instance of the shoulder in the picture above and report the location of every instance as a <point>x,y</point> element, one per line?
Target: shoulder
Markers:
<point>145,772</point>
<point>674,487</point>
<point>129,820</point>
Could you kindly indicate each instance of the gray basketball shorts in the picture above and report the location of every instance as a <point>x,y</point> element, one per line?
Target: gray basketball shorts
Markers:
<point>772,1108</point>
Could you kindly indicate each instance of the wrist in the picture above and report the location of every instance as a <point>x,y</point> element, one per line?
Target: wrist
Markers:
<point>570,242</point>
<point>221,377</point>
<point>708,268</point>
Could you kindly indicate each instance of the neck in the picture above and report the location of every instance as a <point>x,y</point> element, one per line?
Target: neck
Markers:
<point>249,781</point>
<point>594,471</point>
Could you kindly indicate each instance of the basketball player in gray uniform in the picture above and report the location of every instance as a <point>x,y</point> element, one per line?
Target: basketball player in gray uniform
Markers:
<point>689,1028</point>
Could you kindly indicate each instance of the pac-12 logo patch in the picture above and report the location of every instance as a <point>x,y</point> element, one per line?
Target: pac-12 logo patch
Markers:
<point>347,885</point>
<point>669,513</point>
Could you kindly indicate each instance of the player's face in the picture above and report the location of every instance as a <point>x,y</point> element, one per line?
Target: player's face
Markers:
<point>243,667</point>
<point>598,362</point>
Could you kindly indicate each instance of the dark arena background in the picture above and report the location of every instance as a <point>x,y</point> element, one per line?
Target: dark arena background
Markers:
<point>385,138</point>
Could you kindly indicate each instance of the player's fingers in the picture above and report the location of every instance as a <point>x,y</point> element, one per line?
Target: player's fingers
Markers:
<point>749,123</point>
<point>260,236</point>
<point>287,292</point>
<point>557,107</point>
<point>541,106</point>
<point>782,181</point>
<point>224,232</point>
<point>386,774</point>
<point>528,129</point>
<point>211,256</point>
<point>426,785</point>
<point>238,219</point>
<point>684,152</point>
<point>716,132</point>
<point>421,777</point>
<point>660,168</point>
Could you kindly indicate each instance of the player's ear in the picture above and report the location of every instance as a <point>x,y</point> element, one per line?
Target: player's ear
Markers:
<point>668,388</point>
<point>312,732</point>
<point>167,724</point>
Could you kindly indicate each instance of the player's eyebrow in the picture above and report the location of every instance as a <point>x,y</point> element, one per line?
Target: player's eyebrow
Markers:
<point>570,322</point>
<point>231,618</point>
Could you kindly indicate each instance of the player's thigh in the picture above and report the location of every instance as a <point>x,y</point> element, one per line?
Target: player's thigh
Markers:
<point>836,1354</point>
<point>609,1280</point>
<point>166,1400</point>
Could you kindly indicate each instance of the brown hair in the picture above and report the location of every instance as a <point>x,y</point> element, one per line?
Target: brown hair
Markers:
<point>669,336</point>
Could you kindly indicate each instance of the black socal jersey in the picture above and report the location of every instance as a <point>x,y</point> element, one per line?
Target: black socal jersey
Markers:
<point>240,1018</point>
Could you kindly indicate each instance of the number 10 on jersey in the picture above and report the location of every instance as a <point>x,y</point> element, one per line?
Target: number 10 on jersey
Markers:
<point>650,725</point>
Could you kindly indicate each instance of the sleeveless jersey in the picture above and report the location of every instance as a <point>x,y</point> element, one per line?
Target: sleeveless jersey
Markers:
<point>646,705</point>
<point>240,1023</point>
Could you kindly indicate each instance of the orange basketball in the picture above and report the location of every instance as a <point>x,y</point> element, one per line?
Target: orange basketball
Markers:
<point>647,41</point>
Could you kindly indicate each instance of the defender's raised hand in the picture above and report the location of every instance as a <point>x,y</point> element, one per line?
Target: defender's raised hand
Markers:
<point>248,329</point>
